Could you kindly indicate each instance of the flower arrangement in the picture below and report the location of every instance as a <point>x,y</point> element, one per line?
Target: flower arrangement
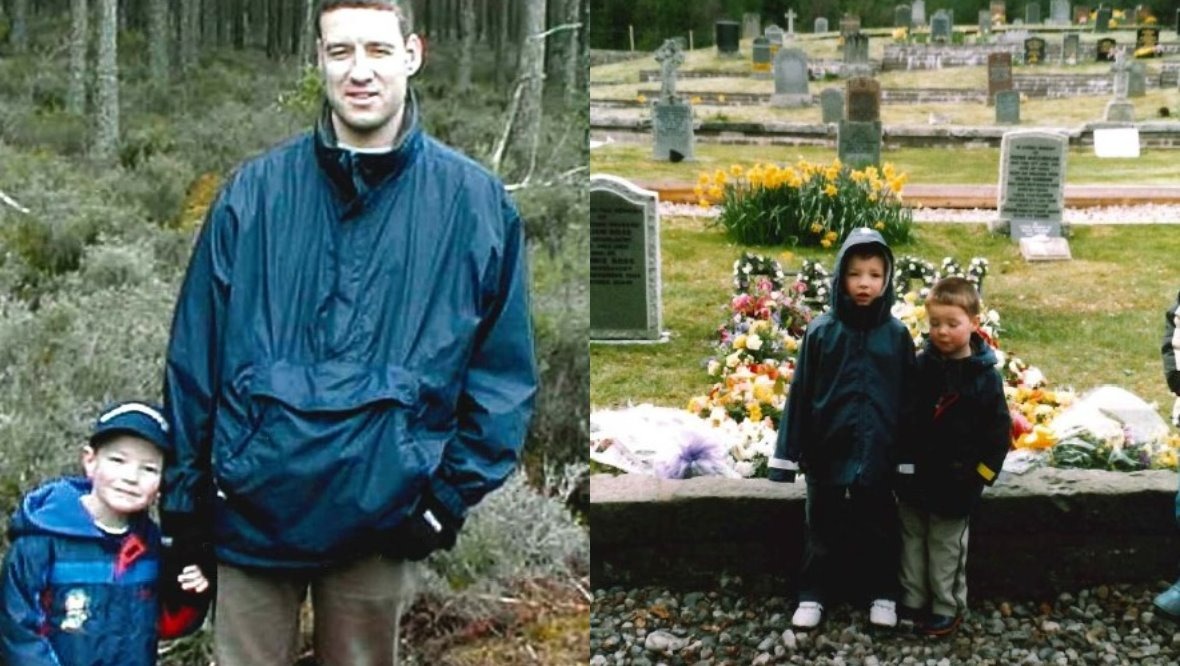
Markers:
<point>806,203</point>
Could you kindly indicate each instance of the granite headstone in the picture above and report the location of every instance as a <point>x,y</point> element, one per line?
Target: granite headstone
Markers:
<point>1105,49</point>
<point>1008,107</point>
<point>821,25</point>
<point>1102,19</point>
<point>1069,48</point>
<point>940,26</point>
<point>1034,51</point>
<point>1146,41</point>
<point>790,79</point>
<point>624,261</point>
<point>762,59</point>
<point>858,143</point>
<point>831,100</point>
<point>751,25</point>
<point>1059,12</point>
<point>918,13</point>
<point>903,16</point>
<point>727,36</point>
<point>1032,183</point>
<point>864,99</point>
<point>1137,80</point>
<point>1032,13</point>
<point>999,74</point>
<point>671,115</point>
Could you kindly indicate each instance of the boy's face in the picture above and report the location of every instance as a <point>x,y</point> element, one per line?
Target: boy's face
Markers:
<point>950,329</point>
<point>366,63</point>
<point>125,473</point>
<point>864,278</point>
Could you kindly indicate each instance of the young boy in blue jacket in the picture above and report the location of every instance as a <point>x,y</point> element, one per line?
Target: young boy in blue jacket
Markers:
<point>80,579</point>
<point>844,411</point>
<point>961,433</point>
<point>1168,601</point>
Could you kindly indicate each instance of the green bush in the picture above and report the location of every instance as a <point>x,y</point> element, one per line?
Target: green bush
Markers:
<point>806,204</point>
<point>57,132</point>
<point>158,187</point>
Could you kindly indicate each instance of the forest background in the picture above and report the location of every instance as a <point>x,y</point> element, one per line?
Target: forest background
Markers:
<point>119,119</point>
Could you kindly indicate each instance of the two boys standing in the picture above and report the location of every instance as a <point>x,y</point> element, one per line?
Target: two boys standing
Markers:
<point>867,419</point>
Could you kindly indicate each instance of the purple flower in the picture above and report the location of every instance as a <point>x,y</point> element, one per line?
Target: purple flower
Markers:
<point>699,455</point>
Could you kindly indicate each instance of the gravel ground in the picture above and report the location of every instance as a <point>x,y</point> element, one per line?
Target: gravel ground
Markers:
<point>1144,214</point>
<point>1104,625</point>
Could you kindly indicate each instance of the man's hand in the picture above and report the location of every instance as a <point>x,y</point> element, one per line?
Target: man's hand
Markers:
<point>429,528</point>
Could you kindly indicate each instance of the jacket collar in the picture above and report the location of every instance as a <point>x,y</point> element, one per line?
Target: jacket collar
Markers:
<point>355,174</point>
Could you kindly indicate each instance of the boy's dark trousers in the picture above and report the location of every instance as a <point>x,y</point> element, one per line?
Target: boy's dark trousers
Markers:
<point>852,547</point>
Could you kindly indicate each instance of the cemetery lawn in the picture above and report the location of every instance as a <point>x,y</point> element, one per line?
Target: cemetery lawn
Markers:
<point>972,166</point>
<point>1095,320</point>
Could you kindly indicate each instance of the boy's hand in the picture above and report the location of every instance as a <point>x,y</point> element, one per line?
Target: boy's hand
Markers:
<point>192,580</point>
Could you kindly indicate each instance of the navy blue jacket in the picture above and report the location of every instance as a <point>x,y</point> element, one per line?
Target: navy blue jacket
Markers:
<point>962,430</point>
<point>353,331</point>
<point>848,393</point>
<point>73,594</point>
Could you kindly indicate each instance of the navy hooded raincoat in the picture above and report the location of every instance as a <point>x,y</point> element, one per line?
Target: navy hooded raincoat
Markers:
<point>850,387</point>
<point>353,331</point>
<point>73,594</point>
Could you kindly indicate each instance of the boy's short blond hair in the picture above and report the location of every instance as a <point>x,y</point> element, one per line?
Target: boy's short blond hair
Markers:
<point>956,291</point>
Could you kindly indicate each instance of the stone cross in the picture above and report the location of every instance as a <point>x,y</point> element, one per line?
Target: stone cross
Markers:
<point>670,56</point>
<point>791,15</point>
<point>1122,72</point>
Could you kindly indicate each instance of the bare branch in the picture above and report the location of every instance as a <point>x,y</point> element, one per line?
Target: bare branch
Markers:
<point>556,28</point>
<point>559,178</point>
<point>498,154</point>
<point>12,202</point>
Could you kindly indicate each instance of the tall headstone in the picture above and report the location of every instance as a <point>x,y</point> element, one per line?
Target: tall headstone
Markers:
<point>864,99</point>
<point>903,16</point>
<point>775,35</point>
<point>671,115</point>
<point>1034,51</point>
<point>821,24</point>
<point>849,23</point>
<point>1032,183</point>
<point>624,261</point>
<point>1102,19</point>
<point>999,11</point>
<point>1032,13</point>
<point>1122,74</point>
<point>751,25</point>
<point>858,136</point>
<point>1119,110</point>
<point>1069,48</point>
<point>985,22</point>
<point>1105,49</point>
<point>1146,41</point>
<point>918,12</point>
<point>761,67</point>
<point>790,79</point>
<point>1137,80</point>
<point>1059,12</point>
<point>831,100</point>
<point>856,49</point>
<point>727,36</point>
<point>791,16</point>
<point>999,74</point>
<point>1008,107</point>
<point>940,27</point>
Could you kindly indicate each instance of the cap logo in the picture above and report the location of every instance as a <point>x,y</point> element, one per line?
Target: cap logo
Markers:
<point>137,408</point>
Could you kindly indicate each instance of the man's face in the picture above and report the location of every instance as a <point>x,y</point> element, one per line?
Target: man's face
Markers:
<point>125,473</point>
<point>366,63</point>
<point>864,278</point>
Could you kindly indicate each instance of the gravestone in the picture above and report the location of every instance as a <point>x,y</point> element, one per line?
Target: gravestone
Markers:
<point>774,35</point>
<point>985,22</point>
<point>791,16</point>
<point>751,25</point>
<point>624,261</point>
<point>856,49</point>
<point>999,74</point>
<point>762,59</point>
<point>918,13</point>
<point>1081,14</point>
<point>1045,248</point>
<point>1008,107</point>
<point>831,100</point>
<point>1119,142</point>
<point>858,144</point>
<point>821,24</point>
<point>1102,19</point>
<point>1032,183</point>
<point>902,16</point>
<point>1137,80</point>
<point>727,36</point>
<point>1059,12</point>
<point>1032,13</point>
<point>790,79</point>
<point>864,99</point>
<point>1146,39</point>
<point>1034,51</point>
<point>1178,21</point>
<point>1105,50</point>
<point>940,27</point>
<point>1069,48</point>
<point>849,23</point>
<point>1122,74</point>
<point>671,115</point>
<point>1143,14</point>
<point>999,11</point>
<point>1119,110</point>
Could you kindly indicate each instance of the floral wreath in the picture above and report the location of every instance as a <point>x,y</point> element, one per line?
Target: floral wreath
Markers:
<point>976,271</point>
<point>813,282</point>
<point>750,267</point>
<point>909,268</point>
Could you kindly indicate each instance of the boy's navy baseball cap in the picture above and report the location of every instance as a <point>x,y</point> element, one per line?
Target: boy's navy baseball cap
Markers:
<point>141,419</point>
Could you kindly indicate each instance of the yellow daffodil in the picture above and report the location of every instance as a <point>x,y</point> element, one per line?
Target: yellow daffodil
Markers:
<point>704,178</point>
<point>826,243</point>
<point>816,227</point>
<point>719,177</point>
<point>721,99</point>
<point>641,99</point>
<point>754,412</point>
<point>830,190</point>
<point>736,170</point>
<point>831,236</point>
<point>879,226</point>
<point>716,193</point>
<point>739,342</point>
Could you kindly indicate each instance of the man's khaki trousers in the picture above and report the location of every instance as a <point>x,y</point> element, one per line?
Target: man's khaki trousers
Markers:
<point>356,609</point>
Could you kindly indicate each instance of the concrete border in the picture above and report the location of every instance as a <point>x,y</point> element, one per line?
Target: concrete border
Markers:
<point>1037,533</point>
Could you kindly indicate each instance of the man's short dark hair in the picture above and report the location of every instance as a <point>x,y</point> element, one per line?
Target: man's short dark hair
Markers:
<point>403,8</point>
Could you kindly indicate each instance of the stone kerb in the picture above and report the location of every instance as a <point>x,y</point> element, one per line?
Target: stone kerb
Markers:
<point>1034,534</point>
<point>908,57</point>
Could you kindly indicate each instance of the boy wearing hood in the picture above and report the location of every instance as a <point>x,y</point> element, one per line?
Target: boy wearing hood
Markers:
<point>961,435</point>
<point>840,429</point>
<point>79,581</point>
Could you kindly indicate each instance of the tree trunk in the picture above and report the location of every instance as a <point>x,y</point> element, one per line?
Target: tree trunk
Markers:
<point>79,43</point>
<point>502,19</point>
<point>159,41</point>
<point>189,25</point>
<point>531,75</point>
<point>18,34</point>
<point>237,24</point>
<point>307,33</point>
<point>572,56</point>
<point>467,47</point>
<point>106,138</point>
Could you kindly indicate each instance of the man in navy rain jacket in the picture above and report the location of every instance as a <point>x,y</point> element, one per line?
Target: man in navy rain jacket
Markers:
<point>351,361</point>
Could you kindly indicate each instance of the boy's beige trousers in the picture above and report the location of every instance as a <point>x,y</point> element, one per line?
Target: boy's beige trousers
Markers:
<point>933,561</point>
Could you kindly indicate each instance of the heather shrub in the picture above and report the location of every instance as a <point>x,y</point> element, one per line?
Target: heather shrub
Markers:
<point>157,187</point>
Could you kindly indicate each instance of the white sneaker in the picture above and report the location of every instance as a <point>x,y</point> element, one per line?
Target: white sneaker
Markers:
<point>883,613</point>
<point>807,615</point>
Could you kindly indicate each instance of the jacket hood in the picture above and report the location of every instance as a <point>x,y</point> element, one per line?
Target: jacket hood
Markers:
<point>56,508</point>
<point>982,355</point>
<point>355,174</point>
<point>843,306</point>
